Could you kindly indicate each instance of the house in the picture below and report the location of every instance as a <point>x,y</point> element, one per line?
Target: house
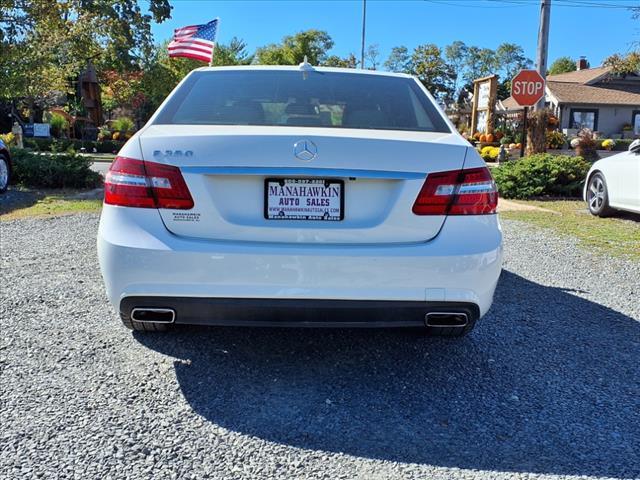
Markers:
<point>593,98</point>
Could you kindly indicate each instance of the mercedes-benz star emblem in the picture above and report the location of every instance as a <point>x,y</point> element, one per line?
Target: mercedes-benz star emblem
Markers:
<point>305,150</point>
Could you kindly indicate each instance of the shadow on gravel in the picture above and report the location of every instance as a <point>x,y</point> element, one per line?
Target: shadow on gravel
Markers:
<point>548,383</point>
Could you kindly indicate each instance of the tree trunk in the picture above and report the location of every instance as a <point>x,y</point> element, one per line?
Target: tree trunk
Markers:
<point>537,131</point>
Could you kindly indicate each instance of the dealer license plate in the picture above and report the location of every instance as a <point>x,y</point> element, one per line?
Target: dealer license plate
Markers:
<point>303,199</point>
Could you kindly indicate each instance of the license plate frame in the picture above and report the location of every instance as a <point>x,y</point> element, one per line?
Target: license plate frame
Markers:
<point>305,181</point>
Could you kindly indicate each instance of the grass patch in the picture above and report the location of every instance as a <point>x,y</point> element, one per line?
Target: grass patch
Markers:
<point>619,236</point>
<point>44,204</point>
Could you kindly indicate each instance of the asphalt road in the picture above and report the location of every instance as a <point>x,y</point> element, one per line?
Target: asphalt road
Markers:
<point>548,385</point>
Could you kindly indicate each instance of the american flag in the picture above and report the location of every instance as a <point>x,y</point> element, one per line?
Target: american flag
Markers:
<point>195,41</point>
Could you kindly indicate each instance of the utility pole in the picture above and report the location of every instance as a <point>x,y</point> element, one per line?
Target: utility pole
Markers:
<point>364,22</point>
<point>543,44</point>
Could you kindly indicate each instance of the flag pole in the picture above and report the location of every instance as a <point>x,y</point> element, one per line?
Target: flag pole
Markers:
<point>364,21</point>
<point>215,43</point>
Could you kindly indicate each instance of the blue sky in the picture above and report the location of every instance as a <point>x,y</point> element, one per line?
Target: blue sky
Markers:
<point>595,32</point>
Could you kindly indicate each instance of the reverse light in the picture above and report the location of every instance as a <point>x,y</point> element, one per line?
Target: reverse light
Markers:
<point>136,183</point>
<point>458,192</point>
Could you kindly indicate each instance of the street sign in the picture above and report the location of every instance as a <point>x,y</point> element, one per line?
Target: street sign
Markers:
<point>527,87</point>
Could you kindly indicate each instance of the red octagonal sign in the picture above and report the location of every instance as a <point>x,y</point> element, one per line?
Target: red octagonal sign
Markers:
<point>527,87</point>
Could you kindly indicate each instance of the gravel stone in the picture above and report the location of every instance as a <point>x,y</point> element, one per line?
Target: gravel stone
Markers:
<point>547,386</point>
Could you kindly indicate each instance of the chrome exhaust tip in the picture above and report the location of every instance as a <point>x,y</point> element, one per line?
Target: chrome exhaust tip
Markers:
<point>153,315</point>
<point>446,319</point>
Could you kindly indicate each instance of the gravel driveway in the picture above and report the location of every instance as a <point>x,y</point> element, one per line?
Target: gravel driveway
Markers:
<point>548,386</point>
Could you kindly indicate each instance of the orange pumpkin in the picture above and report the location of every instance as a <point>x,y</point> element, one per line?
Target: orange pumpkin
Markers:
<point>489,138</point>
<point>518,145</point>
<point>483,138</point>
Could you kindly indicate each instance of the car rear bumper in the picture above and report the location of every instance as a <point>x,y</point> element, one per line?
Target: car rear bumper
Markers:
<point>297,312</point>
<point>141,260</point>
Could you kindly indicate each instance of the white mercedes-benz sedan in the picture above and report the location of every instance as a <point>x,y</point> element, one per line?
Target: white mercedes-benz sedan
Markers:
<point>613,183</point>
<point>300,196</point>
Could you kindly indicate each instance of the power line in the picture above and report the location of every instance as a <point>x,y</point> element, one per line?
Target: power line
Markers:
<point>532,3</point>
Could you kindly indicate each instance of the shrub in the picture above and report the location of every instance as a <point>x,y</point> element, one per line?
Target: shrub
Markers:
<point>58,124</point>
<point>541,175</point>
<point>61,170</point>
<point>123,124</point>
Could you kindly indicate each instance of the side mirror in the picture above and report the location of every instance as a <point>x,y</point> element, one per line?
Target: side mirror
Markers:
<point>635,146</point>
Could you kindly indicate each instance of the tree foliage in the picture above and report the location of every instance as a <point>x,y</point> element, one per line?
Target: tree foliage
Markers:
<point>624,64</point>
<point>45,44</point>
<point>562,65</point>
<point>314,44</point>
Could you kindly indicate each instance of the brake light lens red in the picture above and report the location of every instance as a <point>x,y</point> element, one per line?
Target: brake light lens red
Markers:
<point>136,183</point>
<point>458,192</point>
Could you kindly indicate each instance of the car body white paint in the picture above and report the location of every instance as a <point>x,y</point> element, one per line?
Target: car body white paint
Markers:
<point>622,175</point>
<point>381,251</point>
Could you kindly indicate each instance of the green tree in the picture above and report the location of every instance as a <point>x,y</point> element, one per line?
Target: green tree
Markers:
<point>349,61</point>
<point>433,71</point>
<point>480,62</point>
<point>314,44</point>
<point>399,60</point>
<point>562,65</point>
<point>456,55</point>
<point>624,65</point>
<point>45,44</point>
<point>371,56</point>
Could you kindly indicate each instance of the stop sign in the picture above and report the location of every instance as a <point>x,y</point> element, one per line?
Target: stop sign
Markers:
<point>527,87</point>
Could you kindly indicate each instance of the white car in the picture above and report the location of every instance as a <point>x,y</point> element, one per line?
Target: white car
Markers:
<point>613,183</point>
<point>300,196</point>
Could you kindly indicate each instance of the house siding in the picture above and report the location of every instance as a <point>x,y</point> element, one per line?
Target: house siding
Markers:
<point>610,118</point>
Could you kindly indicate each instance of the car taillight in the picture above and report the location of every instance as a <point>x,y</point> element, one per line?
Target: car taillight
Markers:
<point>458,192</point>
<point>135,183</point>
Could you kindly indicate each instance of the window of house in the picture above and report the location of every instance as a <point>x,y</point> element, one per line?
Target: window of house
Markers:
<point>584,118</point>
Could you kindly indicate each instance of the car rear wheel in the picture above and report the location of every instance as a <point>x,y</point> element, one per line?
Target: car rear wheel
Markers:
<point>5,173</point>
<point>598,196</point>
<point>144,326</point>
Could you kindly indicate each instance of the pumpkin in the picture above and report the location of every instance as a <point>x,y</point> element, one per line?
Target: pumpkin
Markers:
<point>483,138</point>
<point>518,145</point>
<point>512,145</point>
<point>116,135</point>
<point>489,138</point>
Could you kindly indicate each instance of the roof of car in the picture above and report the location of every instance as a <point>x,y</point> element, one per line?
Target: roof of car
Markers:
<point>297,68</point>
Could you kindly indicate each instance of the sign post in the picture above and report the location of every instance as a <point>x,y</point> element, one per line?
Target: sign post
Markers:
<point>527,87</point>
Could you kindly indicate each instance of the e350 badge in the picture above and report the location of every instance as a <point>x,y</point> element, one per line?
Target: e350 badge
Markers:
<point>172,153</point>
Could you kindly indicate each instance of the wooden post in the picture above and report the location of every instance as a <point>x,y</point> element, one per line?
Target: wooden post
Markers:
<point>524,132</point>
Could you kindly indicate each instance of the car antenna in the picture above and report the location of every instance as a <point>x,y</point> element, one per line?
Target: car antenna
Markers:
<point>306,67</point>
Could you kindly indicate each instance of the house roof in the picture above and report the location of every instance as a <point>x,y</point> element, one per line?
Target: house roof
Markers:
<point>585,76</point>
<point>582,87</point>
<point>589,94</point>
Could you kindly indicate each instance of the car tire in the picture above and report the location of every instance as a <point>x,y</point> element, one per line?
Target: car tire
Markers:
<point>5,173</point>
<point>144,326</point>
<point>598,196</point>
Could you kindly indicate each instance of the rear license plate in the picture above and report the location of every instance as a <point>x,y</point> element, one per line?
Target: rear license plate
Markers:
<point>303,199</point>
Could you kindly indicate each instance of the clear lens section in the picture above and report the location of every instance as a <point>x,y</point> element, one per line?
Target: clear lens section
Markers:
<point>457,192</point>
<point>159,182</point>
<point>126,179</point>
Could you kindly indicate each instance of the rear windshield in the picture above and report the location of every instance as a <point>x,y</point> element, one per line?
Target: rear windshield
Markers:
<point>307,99</point>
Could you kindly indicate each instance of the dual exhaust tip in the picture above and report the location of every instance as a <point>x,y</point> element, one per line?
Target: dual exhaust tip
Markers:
<point>168,315</point>
<point>446,319</point>
<point>154,315</point>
